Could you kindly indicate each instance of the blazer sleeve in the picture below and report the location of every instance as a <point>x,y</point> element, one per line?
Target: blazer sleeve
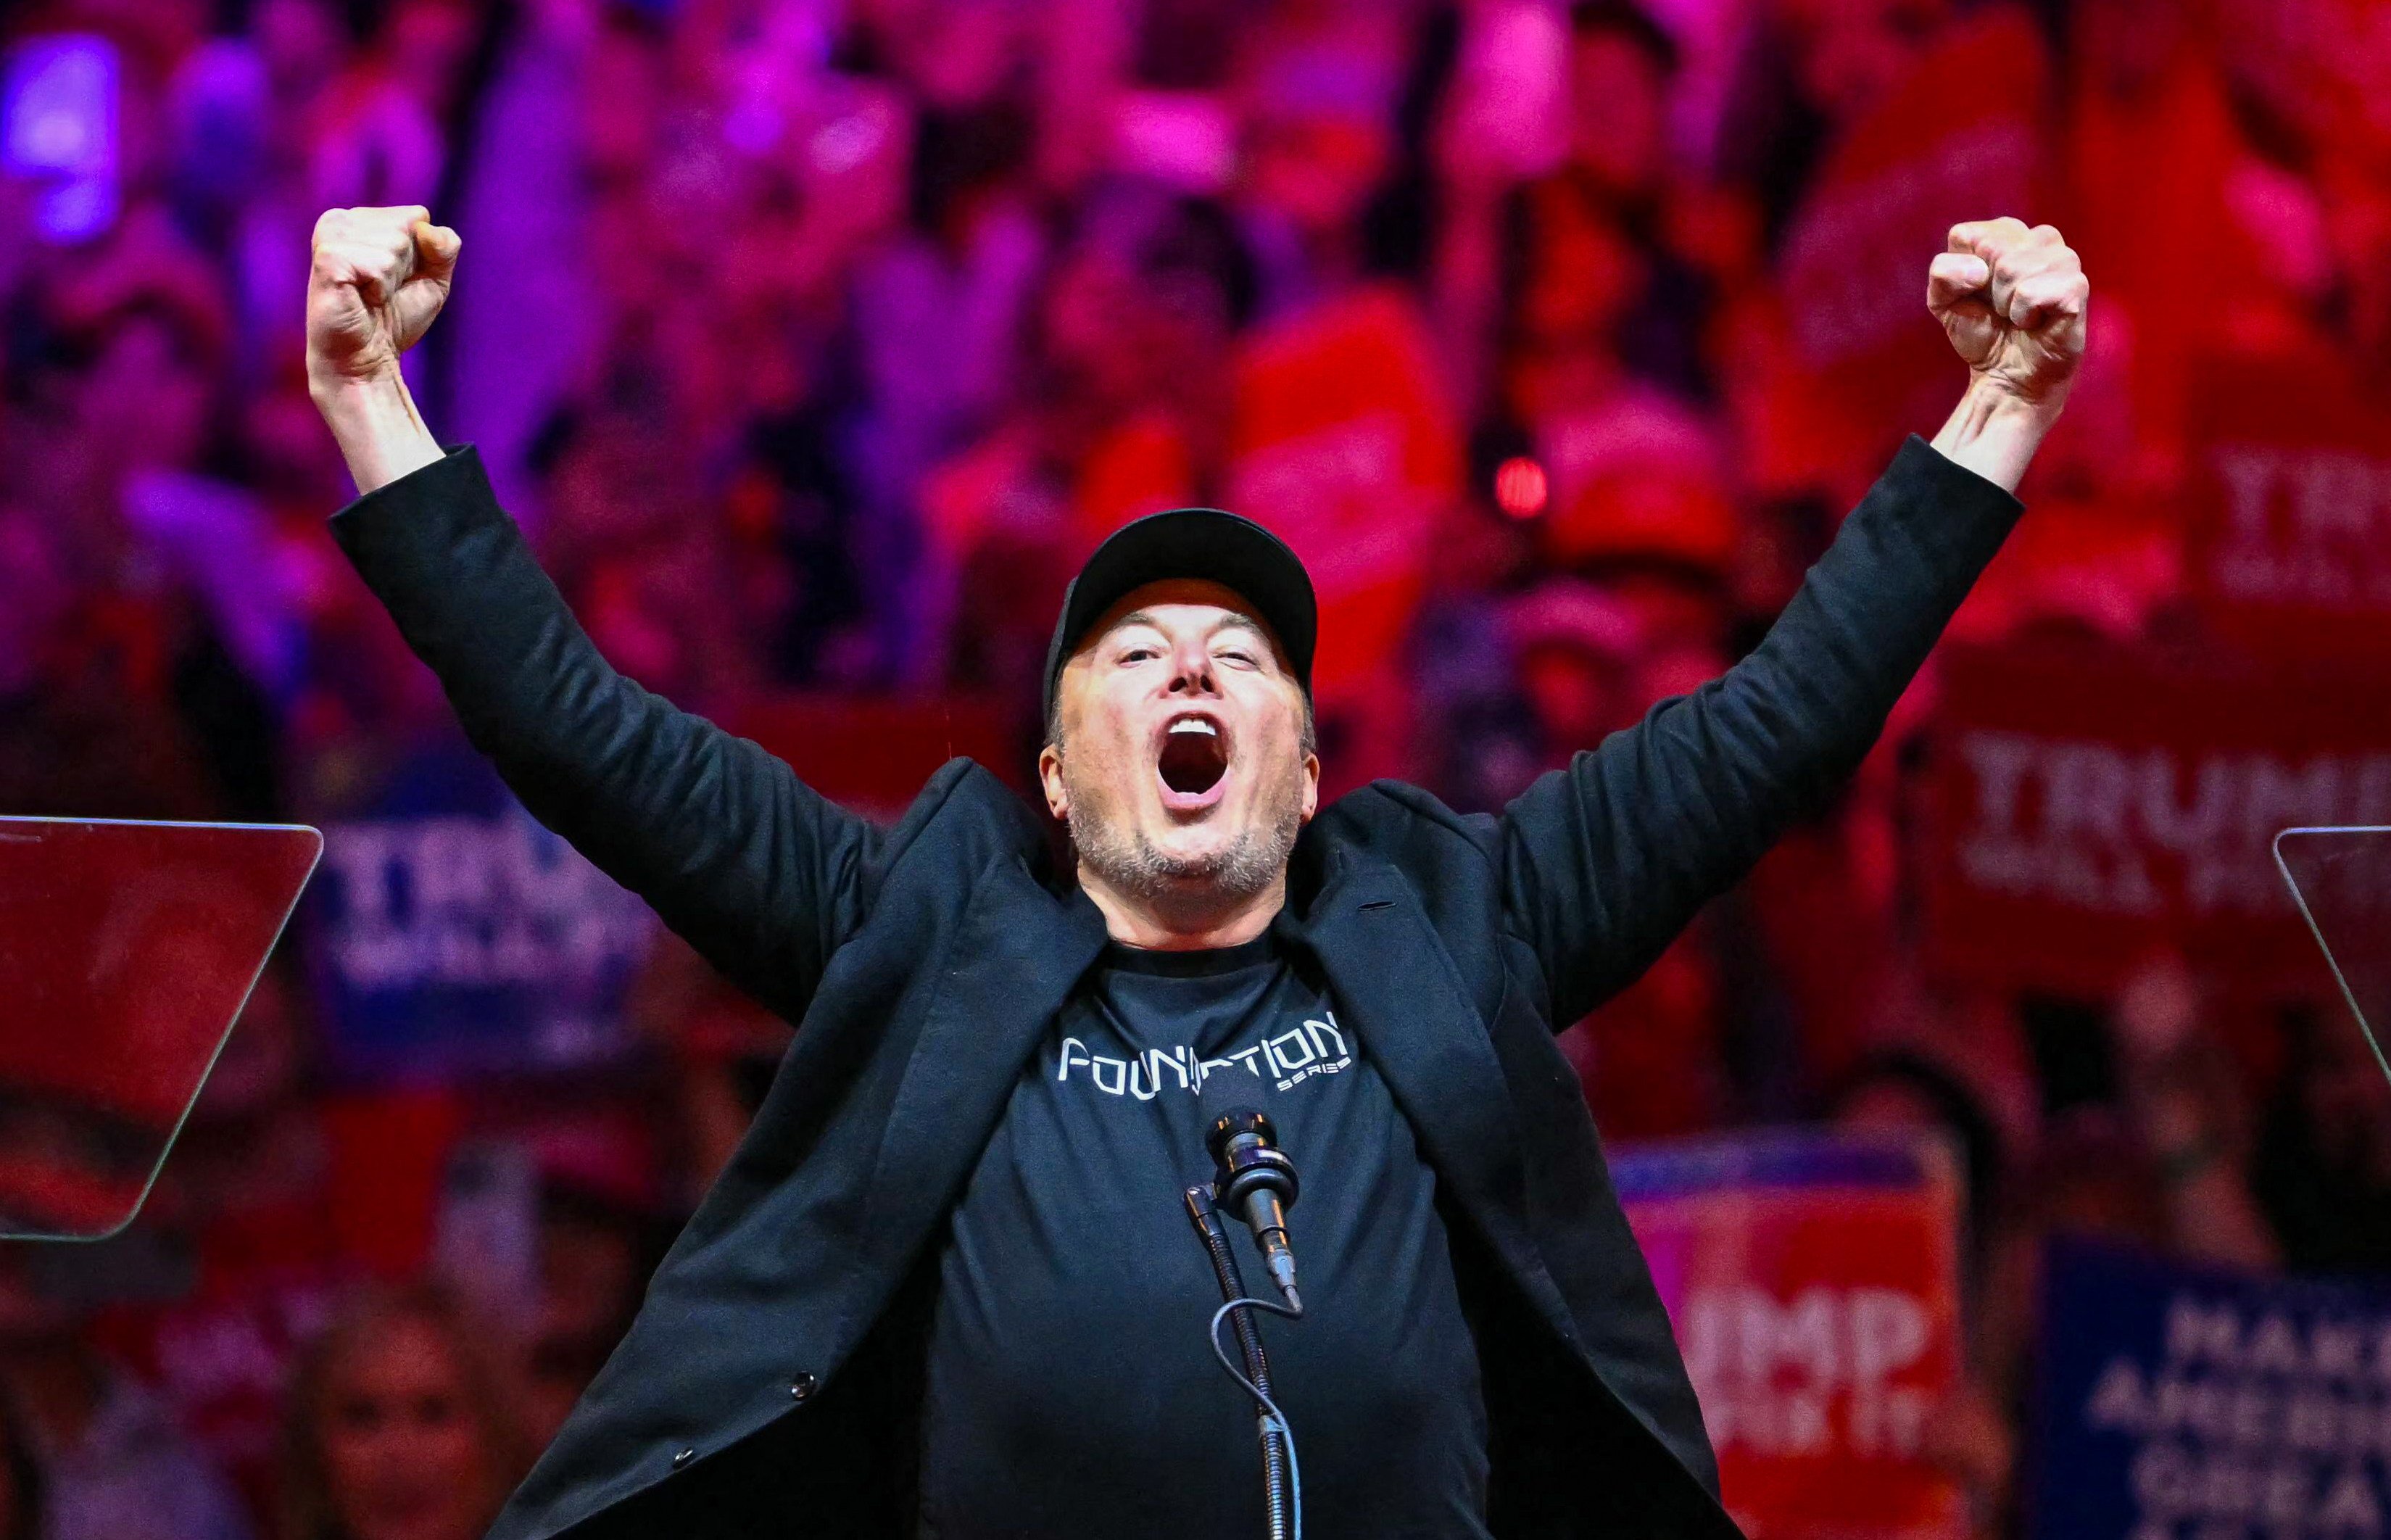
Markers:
<point>1605,861</point>
<point>759,873</point>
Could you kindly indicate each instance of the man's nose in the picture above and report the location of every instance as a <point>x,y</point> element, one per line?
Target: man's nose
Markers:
<point>1191,670</point>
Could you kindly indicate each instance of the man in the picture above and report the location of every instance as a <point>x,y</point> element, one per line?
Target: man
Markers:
<point>944,1287</point>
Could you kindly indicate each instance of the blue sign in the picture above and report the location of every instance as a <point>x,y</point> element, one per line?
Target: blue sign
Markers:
<point>2208,1404</point>
<point>451,934</point>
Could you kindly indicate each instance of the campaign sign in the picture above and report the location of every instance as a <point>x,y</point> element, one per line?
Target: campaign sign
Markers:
<point>1936,150</point>
<point>2208,1404</point>
<point>1343,444</point>
<point>452,934</point>
<point>1813,1279</point>
<point>2290,535</point>
<point>2086,803</point>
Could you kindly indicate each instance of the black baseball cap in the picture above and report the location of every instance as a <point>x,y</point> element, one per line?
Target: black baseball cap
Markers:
<point>1207,543</point>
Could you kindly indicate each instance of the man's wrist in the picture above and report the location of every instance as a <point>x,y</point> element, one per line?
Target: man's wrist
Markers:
<point>1995,432</point>
<point>356,396</point>
<point>374,420</point>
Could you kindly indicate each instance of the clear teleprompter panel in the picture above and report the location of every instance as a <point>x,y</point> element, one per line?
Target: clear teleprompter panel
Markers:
<point>127,950</point>
<point>2341,879</point>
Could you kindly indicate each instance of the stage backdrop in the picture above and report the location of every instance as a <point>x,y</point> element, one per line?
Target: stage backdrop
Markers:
<point>1813,1283</point>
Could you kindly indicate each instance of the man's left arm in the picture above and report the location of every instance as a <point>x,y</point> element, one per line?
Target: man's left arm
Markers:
<point>1606,861</point>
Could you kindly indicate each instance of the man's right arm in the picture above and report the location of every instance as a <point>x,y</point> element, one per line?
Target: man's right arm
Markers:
<point>763,877</point>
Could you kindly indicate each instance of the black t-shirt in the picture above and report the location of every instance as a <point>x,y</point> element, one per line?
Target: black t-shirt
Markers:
<point>1071,1391</point>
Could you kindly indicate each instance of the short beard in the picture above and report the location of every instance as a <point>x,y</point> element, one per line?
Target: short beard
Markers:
<point>1127,862</point>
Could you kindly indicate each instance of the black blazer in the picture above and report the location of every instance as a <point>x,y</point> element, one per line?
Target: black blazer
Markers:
<point>771,1380</point>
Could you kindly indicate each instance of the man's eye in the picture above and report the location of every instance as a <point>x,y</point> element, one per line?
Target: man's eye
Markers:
<point>1137,655</point>
<point>1241,658</point>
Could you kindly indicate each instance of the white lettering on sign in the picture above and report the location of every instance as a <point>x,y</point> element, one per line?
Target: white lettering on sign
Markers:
<point>2131,830</point>
<point>2254,1420</point>
<point>1811,1374</point>
<point>470,902</point>
<point>2305,526</point>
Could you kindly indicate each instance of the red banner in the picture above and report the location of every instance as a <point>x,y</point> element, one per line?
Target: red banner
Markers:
<point>2291,531</point>
<point>1813,1284</point>
<point>2089,804</point>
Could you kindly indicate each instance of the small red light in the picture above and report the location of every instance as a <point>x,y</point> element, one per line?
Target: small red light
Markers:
<point>1521,488</point>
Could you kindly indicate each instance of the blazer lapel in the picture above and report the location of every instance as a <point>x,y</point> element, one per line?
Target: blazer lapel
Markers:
<point>1020,951</point>
<point>1396,984</point>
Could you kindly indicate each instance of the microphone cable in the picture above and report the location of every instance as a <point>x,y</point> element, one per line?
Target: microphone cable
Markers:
<point>1283,1499</point>
<point>1274,1420</point>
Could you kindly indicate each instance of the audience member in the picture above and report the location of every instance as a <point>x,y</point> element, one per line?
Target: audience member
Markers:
<point>405,1425</point>
<point>107,1460</point>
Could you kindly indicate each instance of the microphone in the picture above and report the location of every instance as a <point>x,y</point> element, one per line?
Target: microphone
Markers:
<point>1253,1179</point>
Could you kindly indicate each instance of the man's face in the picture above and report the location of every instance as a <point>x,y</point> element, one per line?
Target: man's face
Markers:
<point>1180,764</point>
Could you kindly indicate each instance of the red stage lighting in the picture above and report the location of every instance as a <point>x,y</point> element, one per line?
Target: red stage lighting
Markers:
<point>1520,489</point>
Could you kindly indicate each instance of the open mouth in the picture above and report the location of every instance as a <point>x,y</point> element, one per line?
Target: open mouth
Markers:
<point>1192,761</point>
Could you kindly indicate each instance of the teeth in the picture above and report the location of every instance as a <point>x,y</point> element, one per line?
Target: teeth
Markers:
<point>1193,724</point>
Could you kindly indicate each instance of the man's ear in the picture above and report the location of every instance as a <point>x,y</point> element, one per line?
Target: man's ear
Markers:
<point>1311,787</point>
<point>1050,781</point>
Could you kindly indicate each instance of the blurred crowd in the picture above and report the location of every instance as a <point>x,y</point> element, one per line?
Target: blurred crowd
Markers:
<point>815,341</point>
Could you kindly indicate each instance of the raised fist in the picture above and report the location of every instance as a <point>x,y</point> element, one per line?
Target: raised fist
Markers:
<point>2012,301</point>
<point>378,277</point>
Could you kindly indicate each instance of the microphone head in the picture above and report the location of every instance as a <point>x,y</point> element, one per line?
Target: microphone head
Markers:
<point>1230,1125</point>
<point>1246,1156</point>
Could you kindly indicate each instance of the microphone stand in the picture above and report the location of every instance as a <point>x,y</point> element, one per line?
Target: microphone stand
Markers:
<point>1278,1486</point>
